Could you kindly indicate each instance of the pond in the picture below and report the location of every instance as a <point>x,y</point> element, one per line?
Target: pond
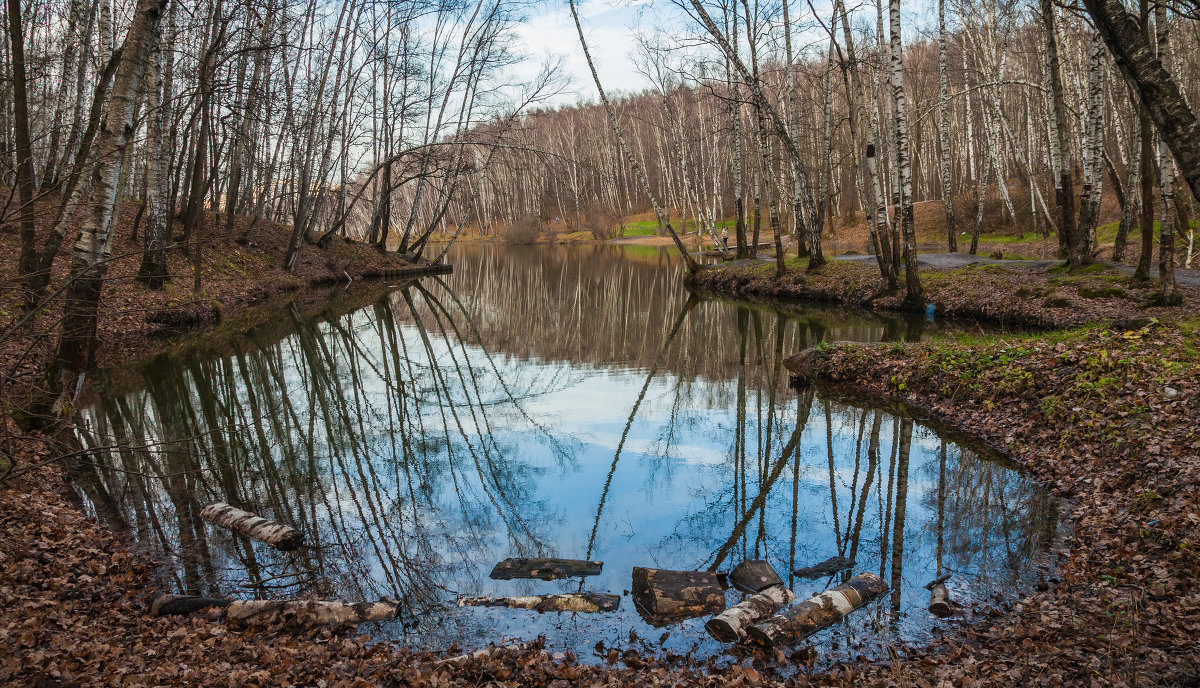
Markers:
<point>568,402</point>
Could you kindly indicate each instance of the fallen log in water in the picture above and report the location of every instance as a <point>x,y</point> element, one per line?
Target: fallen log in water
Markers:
<point>545,569</point>
<point>754,575</point>
<point>826,568</point>
<point>663,597</point>
<point>585,602</point>
<point>802,620</point>
<point>252,526</point>
<point>730,625</point>
<point>939,601</point>
<point>269,612</point>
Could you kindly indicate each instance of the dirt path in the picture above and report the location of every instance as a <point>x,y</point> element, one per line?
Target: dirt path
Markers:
<point>950,261</point>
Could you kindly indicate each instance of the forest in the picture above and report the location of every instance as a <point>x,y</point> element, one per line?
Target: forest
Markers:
<point>364,342</point>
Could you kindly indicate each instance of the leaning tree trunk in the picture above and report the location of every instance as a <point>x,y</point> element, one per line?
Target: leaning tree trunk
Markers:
<point>26,183</point>
<point>944,131</point>
<point>916,294</point>
<point>89,257</point>
<point>637,169</point>
<point>1157,91</point>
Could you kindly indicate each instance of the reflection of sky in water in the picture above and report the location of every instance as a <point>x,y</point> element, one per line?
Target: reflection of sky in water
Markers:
<point>414,463</point>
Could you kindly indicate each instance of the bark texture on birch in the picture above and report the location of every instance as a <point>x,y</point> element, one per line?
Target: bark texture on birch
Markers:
<point>253,526</point>
<point>582,602</point>
<point>730,625</point>
<point>809,616</point>
<point>915,296</point>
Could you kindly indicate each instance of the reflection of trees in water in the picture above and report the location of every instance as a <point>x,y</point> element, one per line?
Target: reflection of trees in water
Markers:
<point>371,432</point>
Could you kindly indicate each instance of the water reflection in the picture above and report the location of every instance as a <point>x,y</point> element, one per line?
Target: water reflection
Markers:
<point>567,402</point>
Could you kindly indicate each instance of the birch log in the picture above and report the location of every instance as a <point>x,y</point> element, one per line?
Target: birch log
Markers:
<point>252,526</point>
<point>584,602</point>
<point>269,612</point>
<point>545,569</point>
<point>668,596</point>
<point>489,651</point>
<point>812,615</point>
<point>730,625</point>
<point>939,601</point>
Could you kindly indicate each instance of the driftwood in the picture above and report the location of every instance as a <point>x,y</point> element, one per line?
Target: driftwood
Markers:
<point>826,568</point>
<point>754,575</point>
<point>270,612</point>
<point>545,569</point>
<point>937,581</point>
<point>806,618</point>
<point>730,625</point>
<point>252,526</point>
<point>939,601</point>
<point>663,597</point>
<point>585,602</point>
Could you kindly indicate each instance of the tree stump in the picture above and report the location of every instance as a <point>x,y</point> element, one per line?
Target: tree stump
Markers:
<point>730,625</point>
<point>583,602</point>
<point>253,526</point>
<point>806,618</point>
<point>663,597</point>
<point>545,569</point>
<point>754,575</point>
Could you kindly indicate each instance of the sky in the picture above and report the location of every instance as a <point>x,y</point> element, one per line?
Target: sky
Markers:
<point>609,26</point>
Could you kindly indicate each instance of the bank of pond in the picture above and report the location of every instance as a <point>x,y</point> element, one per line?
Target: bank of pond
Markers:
<point>554,403</point>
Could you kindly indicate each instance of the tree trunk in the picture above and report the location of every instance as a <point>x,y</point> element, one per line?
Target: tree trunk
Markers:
<point>253,526</point>
<point>274,612</point>
<point>153,270</point>
<point>816,613</point>
<point>89,256</point>
<point>1157,91</point>
<point>730,625</point>
<point>1168,292</point>
<point>915,297</point>
<point>944,131</point>
<point>1069,241</point>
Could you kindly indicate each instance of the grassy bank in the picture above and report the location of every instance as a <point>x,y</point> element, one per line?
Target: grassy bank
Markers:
<point>1010,295</point>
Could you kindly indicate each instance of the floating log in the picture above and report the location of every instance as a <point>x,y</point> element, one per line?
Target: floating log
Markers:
<point>826,568</point>
<point>730,625</point>
<point>663,596</point>
<point>269,612</point>
<point>754,575</point>
<point>939,601</point>
<point>806,618</point>
<point>545,569</point>
<point>252,526</point>
<point>585,602</point>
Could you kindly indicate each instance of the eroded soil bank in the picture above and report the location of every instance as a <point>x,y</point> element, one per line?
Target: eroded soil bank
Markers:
<point>1010,294</point>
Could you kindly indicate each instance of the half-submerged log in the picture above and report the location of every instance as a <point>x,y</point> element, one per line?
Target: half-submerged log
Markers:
<point>826,568</point>
<point>730,625</point>
<point>182,605</point>
<point>270,612</point>
<point>809,616</point>
<point>489,651</point>
<point>663,597</point>
<point>252,526</point>
<point>545,569</point>
<point>754,575</point>
<point>584,602</point>
<point>939,601</point>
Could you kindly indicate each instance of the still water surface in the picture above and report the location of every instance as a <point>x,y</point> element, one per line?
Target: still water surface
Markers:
<point>550,401</point>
